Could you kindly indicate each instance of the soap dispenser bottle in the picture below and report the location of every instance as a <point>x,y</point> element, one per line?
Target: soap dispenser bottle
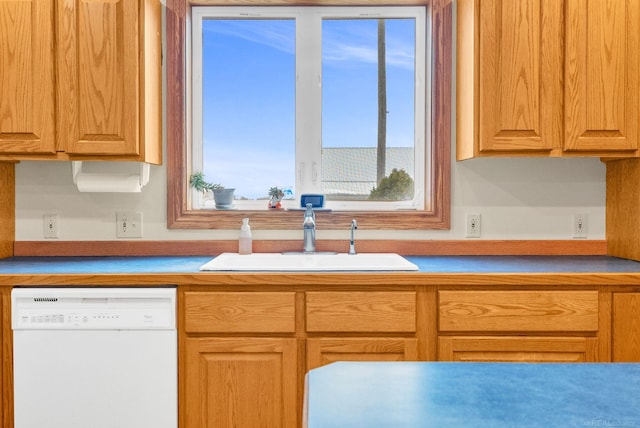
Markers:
<point>245,243</point>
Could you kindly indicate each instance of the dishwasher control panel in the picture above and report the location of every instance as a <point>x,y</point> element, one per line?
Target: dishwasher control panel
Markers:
<point>54,309</point>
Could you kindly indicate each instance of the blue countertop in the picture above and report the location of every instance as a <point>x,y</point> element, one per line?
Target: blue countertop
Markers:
<point>524,264</point>
<point>427,264</point>
<point>478,395</point>
<point>106,265</point>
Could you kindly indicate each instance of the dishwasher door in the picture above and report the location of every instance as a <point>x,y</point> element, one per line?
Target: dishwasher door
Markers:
<point>99,358</point>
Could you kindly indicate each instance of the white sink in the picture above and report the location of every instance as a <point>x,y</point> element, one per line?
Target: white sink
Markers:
<point>301,262</point>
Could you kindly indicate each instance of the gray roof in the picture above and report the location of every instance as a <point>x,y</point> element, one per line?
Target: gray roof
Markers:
<point>352,170</point>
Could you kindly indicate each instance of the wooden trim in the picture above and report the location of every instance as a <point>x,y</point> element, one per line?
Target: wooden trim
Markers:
<point>179,216</point>
<point>7,209</point>
<point>212,248</point>
<point>623,197</point>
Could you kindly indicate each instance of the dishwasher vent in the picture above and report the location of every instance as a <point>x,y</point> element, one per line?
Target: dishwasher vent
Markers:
<point>45,299</point>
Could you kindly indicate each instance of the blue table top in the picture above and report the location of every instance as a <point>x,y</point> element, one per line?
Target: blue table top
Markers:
<point>426,264</point>
<point>474,395</point>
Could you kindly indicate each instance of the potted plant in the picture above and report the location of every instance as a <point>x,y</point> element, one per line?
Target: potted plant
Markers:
<point>222,196</point>
<point>276,194</point>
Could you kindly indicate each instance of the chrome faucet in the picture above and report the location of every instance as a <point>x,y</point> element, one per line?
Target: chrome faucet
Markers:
<point>309,228</point>
<point>352,243</point>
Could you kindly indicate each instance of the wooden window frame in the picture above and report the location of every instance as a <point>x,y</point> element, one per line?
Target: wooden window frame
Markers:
<point>179,216</point>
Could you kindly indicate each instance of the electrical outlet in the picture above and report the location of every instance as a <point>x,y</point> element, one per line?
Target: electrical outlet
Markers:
<point>473,225</point>
<point>129,224</point>
<point>50,226</point>
<point>579,225</point>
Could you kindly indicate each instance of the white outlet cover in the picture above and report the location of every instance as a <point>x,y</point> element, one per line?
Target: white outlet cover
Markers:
<point>50,226</point>
<point>473,226</point>
<point>129,224</point>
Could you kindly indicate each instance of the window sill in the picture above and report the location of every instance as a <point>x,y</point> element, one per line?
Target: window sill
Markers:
<point>282,219</point>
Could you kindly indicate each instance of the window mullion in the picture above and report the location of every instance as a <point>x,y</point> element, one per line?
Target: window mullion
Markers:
<point>308,101</point>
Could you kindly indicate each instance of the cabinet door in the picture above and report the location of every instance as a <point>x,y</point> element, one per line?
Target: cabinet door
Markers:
<point>27,104</point>
<point>323,351</point>
<point>98,76</point>
<point>520,75</point>
<point>517,349</point>
<point>601,75</point>
<point>626,327</point>
<point>240,382</point>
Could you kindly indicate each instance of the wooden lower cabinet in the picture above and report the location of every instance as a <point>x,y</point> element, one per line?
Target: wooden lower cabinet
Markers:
<point>626,327</point>
<point>518,325</point>
<point>518,349</point>
<point>237,371</point>
<point>321,351</point>
<point>246,350</point>
<point>335,315</point>
<point>241,382</point>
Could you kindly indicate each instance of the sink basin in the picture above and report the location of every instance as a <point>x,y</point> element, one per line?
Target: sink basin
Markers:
<point>302,262</point>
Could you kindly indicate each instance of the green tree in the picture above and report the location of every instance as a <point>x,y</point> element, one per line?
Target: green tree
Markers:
<point>398,186</point>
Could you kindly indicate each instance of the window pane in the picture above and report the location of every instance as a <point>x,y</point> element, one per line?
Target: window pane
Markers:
<point>354,90</point>
<point>248,121</point>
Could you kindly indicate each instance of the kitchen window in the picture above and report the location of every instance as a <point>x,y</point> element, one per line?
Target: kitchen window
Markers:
<point>342,117</point>
<point>302,78</point>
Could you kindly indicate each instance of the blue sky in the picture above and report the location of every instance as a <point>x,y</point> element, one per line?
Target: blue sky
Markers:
<point>249,95</point>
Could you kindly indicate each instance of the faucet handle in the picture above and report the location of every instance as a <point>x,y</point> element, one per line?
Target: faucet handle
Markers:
<point>309,212</point>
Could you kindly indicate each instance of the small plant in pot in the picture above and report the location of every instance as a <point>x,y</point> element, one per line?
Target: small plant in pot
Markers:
<point>222,196</point>
<point>275,196</point>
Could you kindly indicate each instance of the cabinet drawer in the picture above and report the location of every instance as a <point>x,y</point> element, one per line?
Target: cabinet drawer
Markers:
<point>518,349</point>
<point>361,311</point>
<point>227,312</point>
<point>518,311</point>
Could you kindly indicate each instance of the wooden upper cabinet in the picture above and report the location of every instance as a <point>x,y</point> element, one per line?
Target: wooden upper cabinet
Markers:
<point>547,78</point>
<point>601,75</point>
<point>98,88</point>
<point>106,66</point>
<point>27,77</point>
<point>509,77</point>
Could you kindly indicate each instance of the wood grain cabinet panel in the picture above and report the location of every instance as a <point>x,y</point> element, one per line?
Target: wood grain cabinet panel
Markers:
<point>626,327</point>
<point>27,80</point>
<point>523,311</point>
<point>601,89</point>
<point>520,89</point>
<point>239,312</point>
<point>99,76</point>
<point>81,79</point>
<point>240,382</point>
<point>376,311</point>
<point>518,349</point>
<point>548,78</point>
<point>321,351</point>
<point>509,73</point>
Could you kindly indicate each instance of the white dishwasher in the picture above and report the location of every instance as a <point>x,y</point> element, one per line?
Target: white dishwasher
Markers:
<point>95,357</point>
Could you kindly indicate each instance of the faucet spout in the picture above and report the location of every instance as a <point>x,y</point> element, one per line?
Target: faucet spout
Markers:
<point>309,229</point>
<point>352,243</point>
